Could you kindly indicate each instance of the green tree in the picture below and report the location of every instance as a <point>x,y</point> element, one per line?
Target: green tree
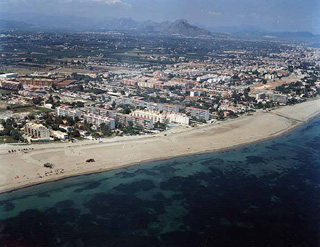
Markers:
<point>15,134</point>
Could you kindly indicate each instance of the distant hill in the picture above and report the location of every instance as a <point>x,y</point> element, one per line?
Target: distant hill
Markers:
<point>8,25</point>
<point>180,27</point>
<point>255,32</point>
<point>34,21</point>
<point>42,22</point>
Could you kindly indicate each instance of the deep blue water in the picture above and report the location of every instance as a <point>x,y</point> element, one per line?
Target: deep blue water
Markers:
<point>265,194</point>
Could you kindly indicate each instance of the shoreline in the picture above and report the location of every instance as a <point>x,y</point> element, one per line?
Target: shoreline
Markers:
<point>289,120</point>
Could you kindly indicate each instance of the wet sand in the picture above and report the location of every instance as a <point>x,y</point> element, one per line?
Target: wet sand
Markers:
<point>19,169</point>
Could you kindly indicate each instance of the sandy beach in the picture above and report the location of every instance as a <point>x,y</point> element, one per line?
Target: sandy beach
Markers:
<point>22,169</point>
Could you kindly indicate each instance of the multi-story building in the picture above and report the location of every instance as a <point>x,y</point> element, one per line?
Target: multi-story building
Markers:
<point>279,98</point>
<point>170,108</point>
<point>68,112</point>
<point>195,93</point>
<point>142,122</point>
<point>197,113</point>
<point>36,82</point>
<point>178,118</point>
<point>97,120</point>
<point>152,106</point>
<point>154,116</point>
<point>121,100</point>
<point>37,131</point>
<point>146,84</point>
<point>129,82</point>
<point>10,85</point>
<point>98,111</point>
<point>123,119</point>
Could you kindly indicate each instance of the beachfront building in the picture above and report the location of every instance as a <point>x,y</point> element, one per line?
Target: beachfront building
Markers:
<point>68,112</point>
<point>197,113</point>
<point>37,131</point>
<point>97,120</point>
<point>59,134</point>
<point>142,122</point>
<point>154,116</point>
<point>279,98</point>
<point>178,118</point>
<point>123,119</point>
<point>135,121</point>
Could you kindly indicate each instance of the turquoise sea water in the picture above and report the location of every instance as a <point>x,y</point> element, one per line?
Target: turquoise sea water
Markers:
<point>265,194</point>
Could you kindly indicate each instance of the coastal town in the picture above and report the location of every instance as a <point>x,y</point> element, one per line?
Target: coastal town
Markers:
<point>68,99</point>
<point>79,103</point>
<point>129,123</point>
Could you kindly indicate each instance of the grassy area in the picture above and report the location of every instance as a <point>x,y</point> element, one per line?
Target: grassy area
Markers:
<point>31,109</point>
<point>7,139</point>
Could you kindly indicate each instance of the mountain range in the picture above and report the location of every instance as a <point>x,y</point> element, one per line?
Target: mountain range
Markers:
<point>35,22</point>
<point>28,21</point>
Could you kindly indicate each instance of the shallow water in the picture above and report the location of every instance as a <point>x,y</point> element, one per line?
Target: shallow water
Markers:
<point>265,194</point>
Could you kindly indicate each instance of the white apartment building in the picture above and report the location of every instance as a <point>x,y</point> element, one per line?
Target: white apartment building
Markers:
<point>68,112</point>
<point>197,113</point>
<point>178,118</point>
<point>37,131</point>
<point>97,110</point>
<point>154,116</point>
<point>143,122</point>
<point>97,120</point>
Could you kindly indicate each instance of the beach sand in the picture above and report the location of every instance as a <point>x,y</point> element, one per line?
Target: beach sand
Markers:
<point>19,169</point>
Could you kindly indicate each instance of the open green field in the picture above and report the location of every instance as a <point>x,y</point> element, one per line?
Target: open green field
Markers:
<point>7,139</point>
<point>31,109</point>
<point>28,109</point>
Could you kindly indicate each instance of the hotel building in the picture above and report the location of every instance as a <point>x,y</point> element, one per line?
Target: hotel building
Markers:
<point>37,131</point>
<point>197,113</point>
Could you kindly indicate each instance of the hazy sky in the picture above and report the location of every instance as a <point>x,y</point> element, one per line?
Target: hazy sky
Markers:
<point>291,15</point>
